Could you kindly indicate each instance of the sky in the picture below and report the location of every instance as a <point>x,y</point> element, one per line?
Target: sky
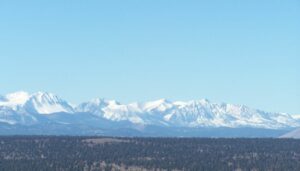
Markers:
<point>240,52</point>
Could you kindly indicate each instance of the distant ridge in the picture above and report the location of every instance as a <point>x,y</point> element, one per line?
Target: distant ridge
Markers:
<point>42,108</point>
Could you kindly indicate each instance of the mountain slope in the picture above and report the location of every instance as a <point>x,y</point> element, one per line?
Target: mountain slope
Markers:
<point>296,116</point>
<point>40,102</point>
<point>200,113</point>
<point>47,103</point>
<point>41,109</point>
<point>293,134</point>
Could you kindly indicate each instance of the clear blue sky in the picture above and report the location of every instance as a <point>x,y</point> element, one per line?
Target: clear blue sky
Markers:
<point>243,52</point>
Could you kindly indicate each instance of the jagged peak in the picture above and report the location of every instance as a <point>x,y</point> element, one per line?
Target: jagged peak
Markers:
<point>40,102</point>
<point>46,96</point>
<point>22,97</point>
<point>186,113</point>
<point>160,104</point>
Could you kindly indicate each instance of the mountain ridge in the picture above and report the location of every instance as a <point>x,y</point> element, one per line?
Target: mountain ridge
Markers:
<point>22,108</point>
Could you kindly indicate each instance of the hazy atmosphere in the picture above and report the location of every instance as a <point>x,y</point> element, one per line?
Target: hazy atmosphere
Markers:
<point>241,52</point>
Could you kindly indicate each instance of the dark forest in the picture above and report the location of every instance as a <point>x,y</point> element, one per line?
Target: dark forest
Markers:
<point>107,153</point>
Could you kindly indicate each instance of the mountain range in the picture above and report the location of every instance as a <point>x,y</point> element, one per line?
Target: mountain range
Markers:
<point>46,113</point>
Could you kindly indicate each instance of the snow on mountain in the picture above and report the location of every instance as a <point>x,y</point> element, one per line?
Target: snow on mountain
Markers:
<point>42,103</point>
<point>14,100</point>
<point>47,103</point>
<point>12,117</point>
<point>201,113</point>
<point>95,106</point>
<point>138,113</point>
<point>296,116</point>
<point>119,112</point>
<point>158,106</point>
<point>112,110</point>
<point>22,107</point>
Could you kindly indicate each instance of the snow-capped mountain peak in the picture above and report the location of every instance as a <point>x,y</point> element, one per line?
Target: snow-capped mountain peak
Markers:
<point>162,112</point>
<point>95,106</point>
<point>40,102</point>
<point>47,103</point>
<point>158,105</point>
<point>45,97</point>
